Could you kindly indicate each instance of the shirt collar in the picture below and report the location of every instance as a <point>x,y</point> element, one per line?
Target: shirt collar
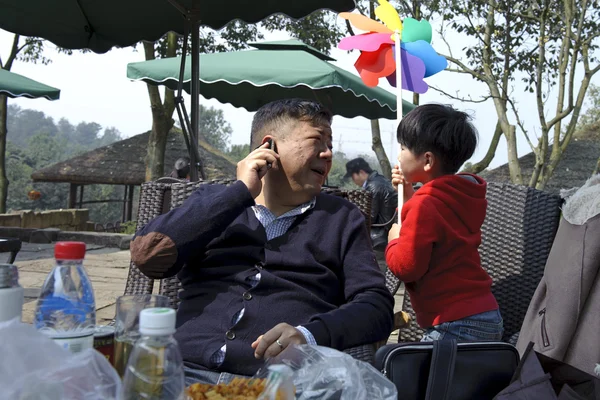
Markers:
<point>263,213</point>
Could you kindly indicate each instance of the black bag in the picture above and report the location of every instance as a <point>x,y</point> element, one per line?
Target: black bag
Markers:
<point>447,370</point>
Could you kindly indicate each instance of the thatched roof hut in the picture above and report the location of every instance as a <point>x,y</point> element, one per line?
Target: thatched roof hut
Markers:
<point>123,163</point>
<point>573,170</point>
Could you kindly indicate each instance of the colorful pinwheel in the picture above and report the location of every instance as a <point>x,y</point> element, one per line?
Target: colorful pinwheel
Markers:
<point>378,54</point>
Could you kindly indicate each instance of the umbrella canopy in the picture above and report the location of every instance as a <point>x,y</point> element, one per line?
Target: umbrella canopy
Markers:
<point>277,70</point>
<point>101,25</point>
<point>15,85</point>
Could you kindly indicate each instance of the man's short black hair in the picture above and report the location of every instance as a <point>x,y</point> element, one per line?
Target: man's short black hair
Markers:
<point>355,166</point>
<point>442,130</point>
<point>272,115</point>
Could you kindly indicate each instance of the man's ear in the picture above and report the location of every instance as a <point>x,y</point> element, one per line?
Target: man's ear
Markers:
<point>430,161</point>
<point>266,139</point>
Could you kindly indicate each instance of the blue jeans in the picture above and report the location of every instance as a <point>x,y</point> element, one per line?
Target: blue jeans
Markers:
<point>210,377</point>
<point>484,327</point>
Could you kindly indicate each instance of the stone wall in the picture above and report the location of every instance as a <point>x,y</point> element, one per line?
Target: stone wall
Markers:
<point>65,220</point>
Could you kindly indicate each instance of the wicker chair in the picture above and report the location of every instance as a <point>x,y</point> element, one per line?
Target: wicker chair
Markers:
<point>517,235</point>
<point>152,203</point>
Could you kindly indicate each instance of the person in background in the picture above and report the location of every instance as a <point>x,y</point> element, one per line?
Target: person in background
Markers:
<point>181,169</point>
<point>435,251</point>
<point>383,205</point>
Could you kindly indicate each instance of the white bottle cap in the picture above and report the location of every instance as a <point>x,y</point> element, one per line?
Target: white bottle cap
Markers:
<point>157,321</point>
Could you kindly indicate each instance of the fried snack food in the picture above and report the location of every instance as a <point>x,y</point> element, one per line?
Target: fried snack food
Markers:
<point>237,389</point>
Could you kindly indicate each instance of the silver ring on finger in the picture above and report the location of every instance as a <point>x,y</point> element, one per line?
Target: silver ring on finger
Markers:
<point>279,343</point>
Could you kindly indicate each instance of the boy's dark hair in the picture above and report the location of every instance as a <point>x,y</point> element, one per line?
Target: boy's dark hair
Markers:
<point>442,130</point>
<point>272,115</point>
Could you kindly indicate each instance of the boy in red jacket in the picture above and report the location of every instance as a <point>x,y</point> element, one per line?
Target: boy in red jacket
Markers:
<point>435,250</point>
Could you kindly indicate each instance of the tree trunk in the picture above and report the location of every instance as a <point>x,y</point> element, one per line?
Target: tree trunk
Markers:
<point>491,152</point>
<point>162,120</point>
<point>513,158</point>
<point>157,144</point>
<point>377,147</point>
<point>597,169</point>
<point>3,131</point>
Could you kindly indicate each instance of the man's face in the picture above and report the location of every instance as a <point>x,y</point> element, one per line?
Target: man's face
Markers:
<point>359,178</point>
<point>305,156</point>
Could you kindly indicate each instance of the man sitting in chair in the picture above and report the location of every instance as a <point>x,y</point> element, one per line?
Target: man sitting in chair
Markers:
<point>269,261</point>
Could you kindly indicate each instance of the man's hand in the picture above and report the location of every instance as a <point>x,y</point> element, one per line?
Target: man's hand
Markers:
<point>276,340</point>
<point>398,179</point>
<point>252,168</point>
<point>394,232</point>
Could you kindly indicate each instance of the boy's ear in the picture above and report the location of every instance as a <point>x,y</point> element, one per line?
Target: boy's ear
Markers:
<point>430,160</point>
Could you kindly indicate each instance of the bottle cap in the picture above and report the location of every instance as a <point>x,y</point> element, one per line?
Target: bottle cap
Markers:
<point>9,276</point>
<point>157,321</point>
<point>69,251</point>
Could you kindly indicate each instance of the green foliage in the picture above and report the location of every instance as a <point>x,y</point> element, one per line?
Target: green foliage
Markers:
<point>35,142</point>
<point>238,152</point>
<point>214,127</point>
<point>589,121</point>
<point>128,227</point>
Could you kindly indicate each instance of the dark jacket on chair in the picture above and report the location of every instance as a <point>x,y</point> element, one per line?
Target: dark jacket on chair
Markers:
<point>320,274</point>
<point>383,206</point>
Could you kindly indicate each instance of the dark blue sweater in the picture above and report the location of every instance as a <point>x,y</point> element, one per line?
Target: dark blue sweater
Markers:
<point>321,274</point>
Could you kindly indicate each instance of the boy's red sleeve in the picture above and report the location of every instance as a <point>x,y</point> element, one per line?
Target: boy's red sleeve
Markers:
<point>409,255</point>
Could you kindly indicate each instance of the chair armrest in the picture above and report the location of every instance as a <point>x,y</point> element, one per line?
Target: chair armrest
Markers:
<point>365,353</point>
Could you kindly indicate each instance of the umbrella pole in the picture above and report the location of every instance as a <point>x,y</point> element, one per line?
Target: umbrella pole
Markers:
<point>179,103</point>
<point>398,40</point>
<point>196,100</point>
<point>190,130</point>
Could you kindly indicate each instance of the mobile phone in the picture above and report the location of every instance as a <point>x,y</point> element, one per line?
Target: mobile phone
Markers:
<point>272,145</point>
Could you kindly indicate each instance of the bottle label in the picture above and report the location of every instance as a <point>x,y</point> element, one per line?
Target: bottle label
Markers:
<point>75,344</point>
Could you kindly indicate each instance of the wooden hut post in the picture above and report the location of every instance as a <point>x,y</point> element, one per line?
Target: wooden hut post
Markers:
<point>81,196</point>
<point>72,195</point>
<point>130,203</point>
<point>124,213</point>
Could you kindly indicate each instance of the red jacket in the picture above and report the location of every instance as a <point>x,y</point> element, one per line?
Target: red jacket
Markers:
<point>436,253</point>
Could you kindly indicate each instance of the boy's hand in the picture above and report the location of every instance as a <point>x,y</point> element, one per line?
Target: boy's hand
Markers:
<point>398,179</point>
<point>394,232</point>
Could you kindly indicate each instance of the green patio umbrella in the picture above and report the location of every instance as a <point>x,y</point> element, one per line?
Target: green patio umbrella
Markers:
<point>15,85</point>
<point>277,70</point>
<point>101,25</point>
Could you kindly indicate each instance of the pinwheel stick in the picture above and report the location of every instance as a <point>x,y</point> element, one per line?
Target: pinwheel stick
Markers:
<point>398,39</point>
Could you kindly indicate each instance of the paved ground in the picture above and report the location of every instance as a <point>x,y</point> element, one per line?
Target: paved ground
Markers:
<point>107,268</point>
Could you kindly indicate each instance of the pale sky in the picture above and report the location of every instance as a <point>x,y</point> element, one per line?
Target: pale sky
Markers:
<point>94,88</point>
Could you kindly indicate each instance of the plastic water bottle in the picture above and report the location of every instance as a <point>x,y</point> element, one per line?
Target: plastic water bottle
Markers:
<point>11,293</point>
<point>66,310</point>
<point>155,367</point>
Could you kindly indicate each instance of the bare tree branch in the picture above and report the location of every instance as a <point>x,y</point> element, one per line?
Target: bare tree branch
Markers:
<point>521,126</point>
<point>458,71</point>
<point>349,27</point>
<point>443,36</point>
<point>456,97</point>
<point>463,66</point>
